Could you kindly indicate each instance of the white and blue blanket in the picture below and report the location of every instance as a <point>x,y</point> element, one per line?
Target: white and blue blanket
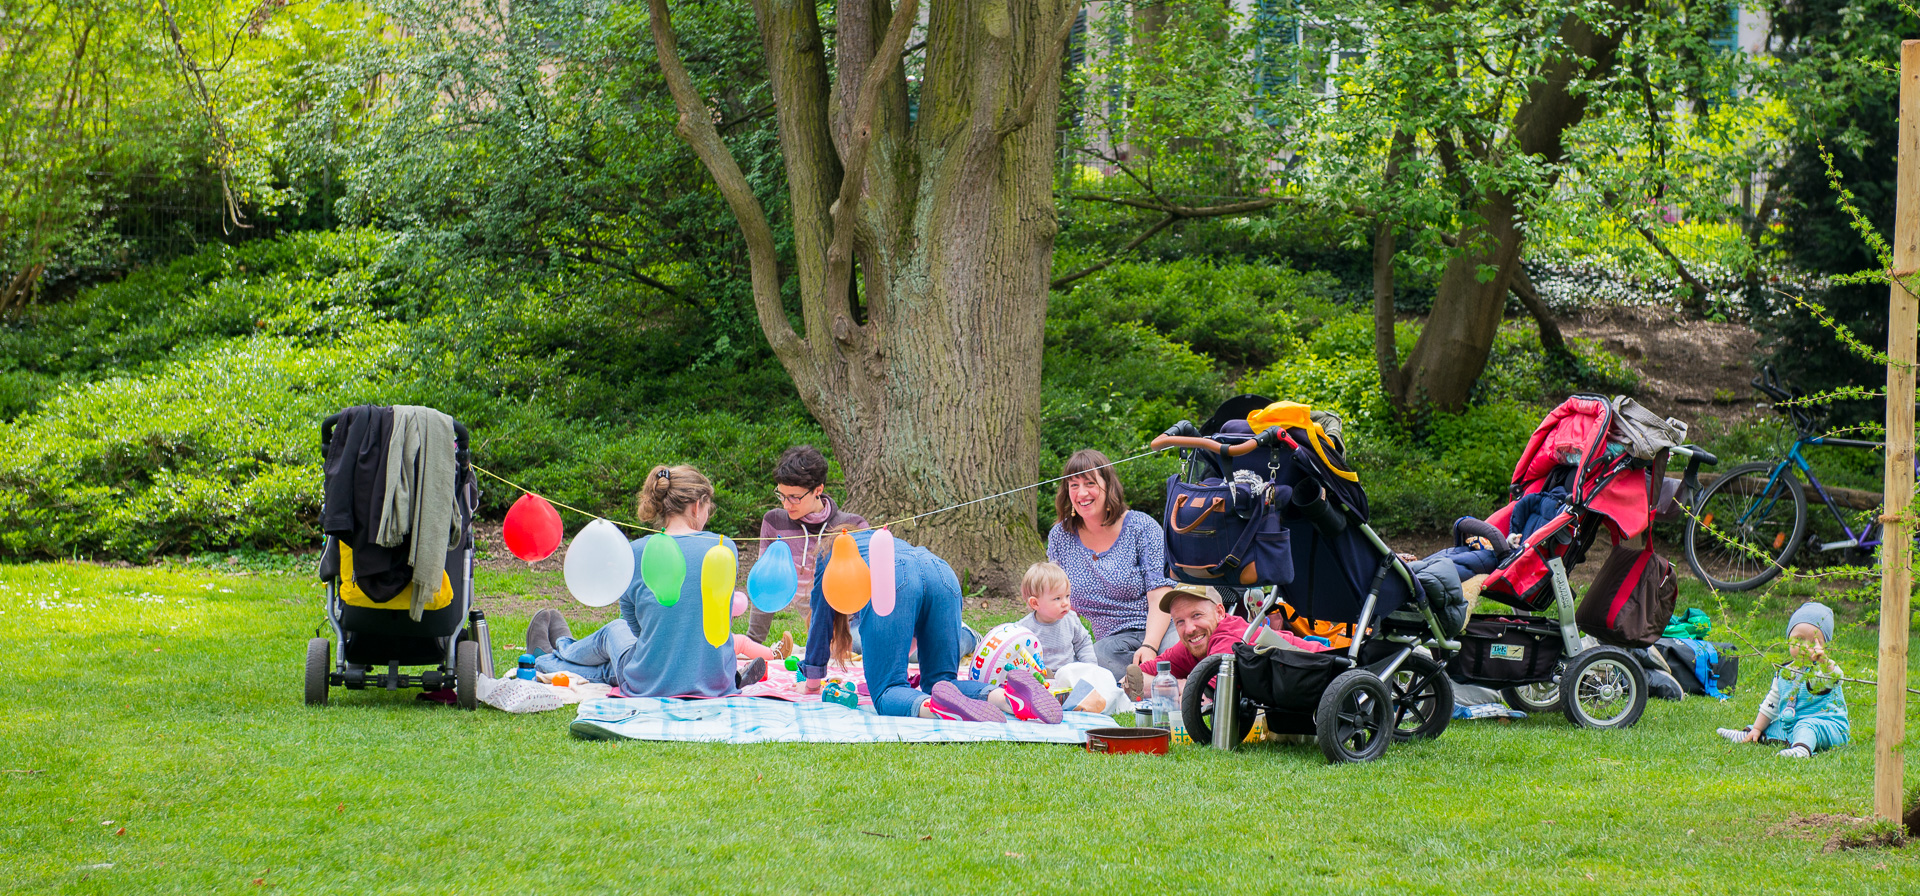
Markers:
<point>753,720</point>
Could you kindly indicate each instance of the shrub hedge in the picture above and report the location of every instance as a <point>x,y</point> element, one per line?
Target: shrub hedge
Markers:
<point>175,411</point>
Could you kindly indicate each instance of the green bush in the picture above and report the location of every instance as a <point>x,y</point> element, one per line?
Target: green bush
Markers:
<point>310,287</point>
<point>216,449</point>
<point>1334,369</point>
<point>1238,315</point>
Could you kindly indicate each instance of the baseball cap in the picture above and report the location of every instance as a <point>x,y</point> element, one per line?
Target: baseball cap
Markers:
<point>1200,591</point>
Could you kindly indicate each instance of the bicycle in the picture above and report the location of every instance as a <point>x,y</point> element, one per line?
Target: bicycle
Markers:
<point>1756,513</point>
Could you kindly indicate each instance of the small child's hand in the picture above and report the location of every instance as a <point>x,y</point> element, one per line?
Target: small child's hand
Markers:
<point>1753,735</point>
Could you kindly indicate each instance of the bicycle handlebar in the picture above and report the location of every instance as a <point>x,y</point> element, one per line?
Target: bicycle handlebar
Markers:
<point>1696,458</point>
<point>1768,383</point>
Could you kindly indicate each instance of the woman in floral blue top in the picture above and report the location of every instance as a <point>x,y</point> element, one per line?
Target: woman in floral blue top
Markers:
<point>1116,560</point>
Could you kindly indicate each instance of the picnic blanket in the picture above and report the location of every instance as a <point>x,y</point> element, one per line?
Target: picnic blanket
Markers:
<point>753,720</point>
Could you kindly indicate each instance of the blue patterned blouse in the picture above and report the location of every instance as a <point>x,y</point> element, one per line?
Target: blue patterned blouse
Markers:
<point>1110,588</point>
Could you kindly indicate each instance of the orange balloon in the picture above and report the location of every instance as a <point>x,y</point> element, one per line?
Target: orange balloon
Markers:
<point>846,583</point>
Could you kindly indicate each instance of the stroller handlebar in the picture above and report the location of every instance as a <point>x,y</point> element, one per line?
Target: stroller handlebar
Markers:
<point>1186,435</point>
<point>1696,457</point>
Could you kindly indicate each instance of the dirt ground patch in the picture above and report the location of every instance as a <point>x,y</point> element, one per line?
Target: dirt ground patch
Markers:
<point>1690,369</point>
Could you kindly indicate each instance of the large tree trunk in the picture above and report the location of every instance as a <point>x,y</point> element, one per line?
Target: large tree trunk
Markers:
<point>923,250</point>
<point>1453,347</point>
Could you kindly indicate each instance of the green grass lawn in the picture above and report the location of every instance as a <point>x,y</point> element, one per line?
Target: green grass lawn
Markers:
<point>154,742</point>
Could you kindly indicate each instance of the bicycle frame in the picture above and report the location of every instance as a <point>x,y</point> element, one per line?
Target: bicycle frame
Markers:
<point>1867,538</point>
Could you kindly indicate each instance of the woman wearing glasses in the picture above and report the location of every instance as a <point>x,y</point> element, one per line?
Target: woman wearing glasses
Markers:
<point>803,520</point>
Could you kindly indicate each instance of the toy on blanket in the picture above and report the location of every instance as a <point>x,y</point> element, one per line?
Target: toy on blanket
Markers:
<point>841,692</point>
<point>1005,648</point>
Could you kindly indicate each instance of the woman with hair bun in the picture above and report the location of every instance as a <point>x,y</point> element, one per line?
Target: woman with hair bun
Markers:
<point>654,650</point>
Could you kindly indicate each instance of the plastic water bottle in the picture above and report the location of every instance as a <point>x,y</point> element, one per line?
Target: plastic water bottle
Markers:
<point>1166,696</point>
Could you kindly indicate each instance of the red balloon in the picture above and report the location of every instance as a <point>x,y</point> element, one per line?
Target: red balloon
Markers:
<point>532,529</point>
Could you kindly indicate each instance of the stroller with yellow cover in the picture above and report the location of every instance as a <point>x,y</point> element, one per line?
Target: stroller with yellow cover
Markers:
<point>1267,500</point>
<point>377,625</point>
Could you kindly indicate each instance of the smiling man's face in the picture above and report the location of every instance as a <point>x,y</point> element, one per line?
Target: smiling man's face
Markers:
<point>1194,619</point>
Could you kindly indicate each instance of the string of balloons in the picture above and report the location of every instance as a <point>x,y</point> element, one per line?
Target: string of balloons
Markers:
<point>599,564</point>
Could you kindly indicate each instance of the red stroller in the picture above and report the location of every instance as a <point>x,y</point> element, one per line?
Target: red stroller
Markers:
<point>1587,467</point>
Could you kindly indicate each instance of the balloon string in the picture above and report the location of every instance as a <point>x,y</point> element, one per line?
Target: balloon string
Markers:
<point>899,522</point>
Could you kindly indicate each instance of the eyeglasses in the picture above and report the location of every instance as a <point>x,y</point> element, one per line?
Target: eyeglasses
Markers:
<point>785,498</point>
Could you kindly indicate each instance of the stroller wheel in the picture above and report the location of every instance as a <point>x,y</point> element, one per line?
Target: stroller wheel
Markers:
<point>319,658</point>
<point>1422,699</point>
<point>1603,688</point>
<point>466,674</point>
<point>1196,703</point>
<point>1355,720</point>
<point>1539,697</point>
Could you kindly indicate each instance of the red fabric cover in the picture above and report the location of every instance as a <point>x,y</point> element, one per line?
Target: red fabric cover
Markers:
<point>1569,431</point>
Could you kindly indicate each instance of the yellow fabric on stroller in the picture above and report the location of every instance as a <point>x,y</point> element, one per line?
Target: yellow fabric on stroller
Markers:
<point>351,595</point>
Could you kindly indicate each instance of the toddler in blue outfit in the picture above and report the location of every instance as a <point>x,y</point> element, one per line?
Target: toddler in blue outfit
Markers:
<point>1804,708</point>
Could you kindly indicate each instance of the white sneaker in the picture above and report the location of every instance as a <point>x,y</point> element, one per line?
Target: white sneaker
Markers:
<point>1797,751</point>
<point>1733,735</point>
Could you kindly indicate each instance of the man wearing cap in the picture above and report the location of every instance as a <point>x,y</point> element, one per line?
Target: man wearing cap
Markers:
<point>1204,628</point>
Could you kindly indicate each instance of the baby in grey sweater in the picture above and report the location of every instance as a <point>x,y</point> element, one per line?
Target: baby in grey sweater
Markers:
<point>1063,637</point>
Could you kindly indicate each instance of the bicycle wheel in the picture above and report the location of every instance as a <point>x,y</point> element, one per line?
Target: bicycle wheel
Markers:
<point>1752,527</point>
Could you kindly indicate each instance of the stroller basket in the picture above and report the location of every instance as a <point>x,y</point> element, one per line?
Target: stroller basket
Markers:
<point>1286,681</point>
<point>1502,650</point>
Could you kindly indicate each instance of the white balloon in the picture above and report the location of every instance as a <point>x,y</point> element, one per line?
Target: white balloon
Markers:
<point>599,564</point>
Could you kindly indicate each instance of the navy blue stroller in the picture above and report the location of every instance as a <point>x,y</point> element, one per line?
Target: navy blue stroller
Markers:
<point>1247,499</point>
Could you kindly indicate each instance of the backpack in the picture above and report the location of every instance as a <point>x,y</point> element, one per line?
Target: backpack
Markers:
<point>1633,596</point>
<point>1631,599</point>
<point>1228,532</point>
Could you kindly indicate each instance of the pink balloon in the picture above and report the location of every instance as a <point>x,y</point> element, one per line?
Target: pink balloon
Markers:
<point>739,602</point>
<point>532,528</point>
<point>880,561</point>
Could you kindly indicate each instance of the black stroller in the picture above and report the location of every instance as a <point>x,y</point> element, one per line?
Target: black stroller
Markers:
<point>1291,483</point>
<point>374,633</point>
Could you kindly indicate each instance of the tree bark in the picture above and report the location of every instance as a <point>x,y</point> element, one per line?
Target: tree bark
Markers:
<point>1453,346</point>
<point>934,398</point>
<point>1386,349</point>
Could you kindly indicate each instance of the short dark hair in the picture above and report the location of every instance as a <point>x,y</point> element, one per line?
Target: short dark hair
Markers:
<point>803,466</point>
<point>1088,462</point>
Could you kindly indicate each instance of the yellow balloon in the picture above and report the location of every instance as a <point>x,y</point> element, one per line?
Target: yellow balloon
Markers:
<point>717,572</point>
<point>846,583</point>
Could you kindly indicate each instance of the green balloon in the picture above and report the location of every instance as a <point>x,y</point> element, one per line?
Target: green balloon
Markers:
<point>663,568</point>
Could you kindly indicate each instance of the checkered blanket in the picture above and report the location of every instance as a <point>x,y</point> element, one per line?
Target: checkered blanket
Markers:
<point>750,720</point>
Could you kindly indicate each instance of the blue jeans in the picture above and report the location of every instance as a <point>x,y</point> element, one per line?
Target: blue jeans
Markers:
<point>596,657</point>
<point>926,607</point>
<point>969,640</point>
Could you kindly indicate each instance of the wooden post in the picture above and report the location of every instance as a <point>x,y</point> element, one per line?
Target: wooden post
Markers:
<point>1896,551</point>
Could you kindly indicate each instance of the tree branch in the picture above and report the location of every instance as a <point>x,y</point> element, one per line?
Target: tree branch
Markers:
<point>1183,211</point>
<point>1046,76</point>
<point>1550,337</point>
<point>695,125</point>
<point>1097,268</point>
<point>859,140</point>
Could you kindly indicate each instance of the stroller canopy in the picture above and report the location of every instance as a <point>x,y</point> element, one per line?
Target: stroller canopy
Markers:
<point>1579,433</point>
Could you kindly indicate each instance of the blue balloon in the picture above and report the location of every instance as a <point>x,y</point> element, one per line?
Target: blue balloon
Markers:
<point>771,584</point>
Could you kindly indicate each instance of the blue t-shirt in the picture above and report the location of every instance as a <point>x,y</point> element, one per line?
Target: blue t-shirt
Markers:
<point>672,657</point>
<point>1110,588</point>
